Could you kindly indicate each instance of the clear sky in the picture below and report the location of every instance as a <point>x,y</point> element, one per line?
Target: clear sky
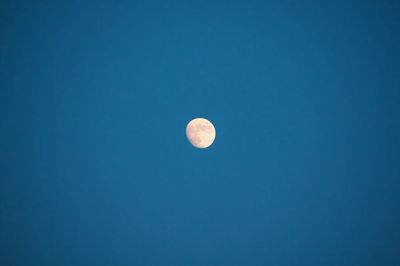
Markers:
<point>95,167</point>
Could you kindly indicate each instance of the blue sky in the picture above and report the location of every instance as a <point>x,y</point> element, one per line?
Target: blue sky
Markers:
<point>95,167</point>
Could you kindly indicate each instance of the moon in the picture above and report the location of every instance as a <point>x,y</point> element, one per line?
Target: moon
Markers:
<point>200,133</point>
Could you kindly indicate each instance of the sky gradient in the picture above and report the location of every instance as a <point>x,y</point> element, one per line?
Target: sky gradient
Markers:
<point>95,167</point>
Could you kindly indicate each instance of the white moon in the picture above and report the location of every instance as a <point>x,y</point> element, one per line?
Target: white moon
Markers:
<point>200,132</point>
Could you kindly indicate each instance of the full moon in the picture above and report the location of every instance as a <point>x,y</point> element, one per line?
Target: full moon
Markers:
<point>200,133</point>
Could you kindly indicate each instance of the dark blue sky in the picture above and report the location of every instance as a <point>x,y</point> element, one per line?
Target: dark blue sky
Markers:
<point>95,168</point>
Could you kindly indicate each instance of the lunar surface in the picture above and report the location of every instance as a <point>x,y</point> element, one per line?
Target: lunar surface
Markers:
<point>200,132</point>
